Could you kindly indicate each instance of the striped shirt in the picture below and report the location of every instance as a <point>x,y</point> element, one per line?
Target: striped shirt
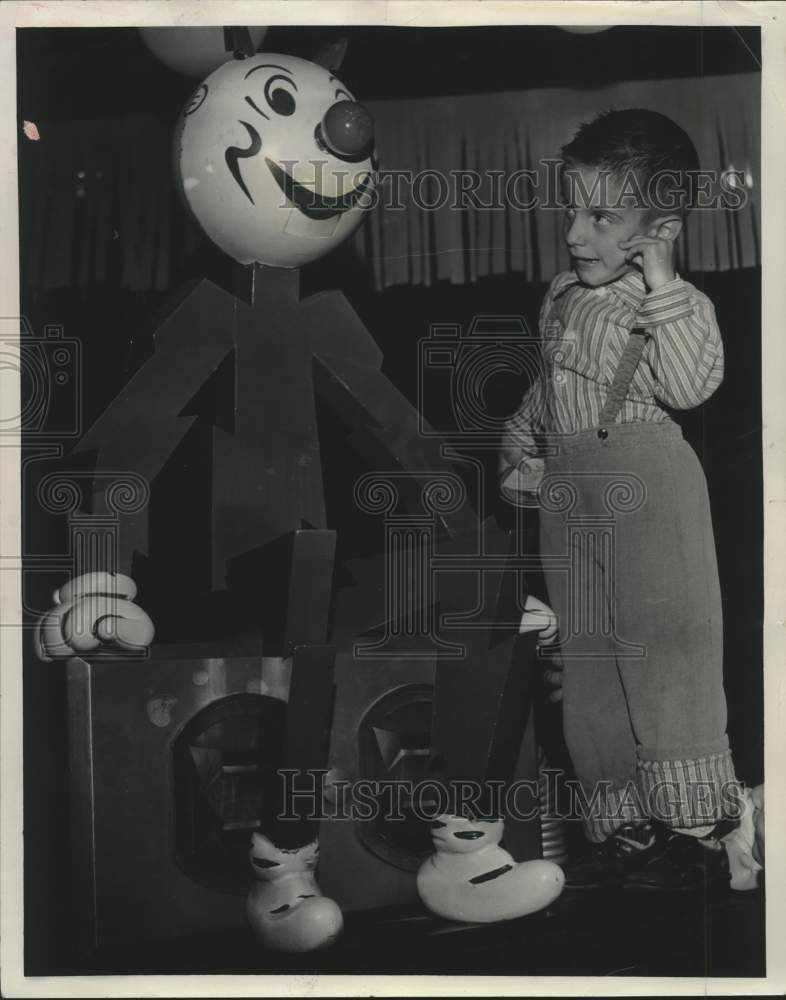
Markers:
<point>584,331</point>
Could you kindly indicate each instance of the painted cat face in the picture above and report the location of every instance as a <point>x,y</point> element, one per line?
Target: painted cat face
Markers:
<point>274,159</point>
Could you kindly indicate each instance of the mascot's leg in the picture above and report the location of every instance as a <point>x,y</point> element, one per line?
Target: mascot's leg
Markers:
<point>285,907</point>
<point>481,705</point>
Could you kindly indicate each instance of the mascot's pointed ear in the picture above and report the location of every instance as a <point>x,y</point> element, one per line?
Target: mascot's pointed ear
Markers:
<point>332,56</point>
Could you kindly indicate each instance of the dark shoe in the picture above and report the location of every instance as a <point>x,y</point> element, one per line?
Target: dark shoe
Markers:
<point>682,863</point>
<point>609,864</point>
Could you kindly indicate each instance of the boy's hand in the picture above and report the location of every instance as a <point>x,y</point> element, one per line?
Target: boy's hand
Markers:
<point>654,253</point>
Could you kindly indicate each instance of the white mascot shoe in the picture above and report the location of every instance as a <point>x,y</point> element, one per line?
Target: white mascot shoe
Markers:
<point>285,907</point>
<point>90,612</point>
<point>471,878</point>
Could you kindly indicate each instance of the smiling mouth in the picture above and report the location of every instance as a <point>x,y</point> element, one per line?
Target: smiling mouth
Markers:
<point>311,204</point>
<point>586,260</point>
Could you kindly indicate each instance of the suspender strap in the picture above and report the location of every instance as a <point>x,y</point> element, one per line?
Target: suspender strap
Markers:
<point>623,376</point>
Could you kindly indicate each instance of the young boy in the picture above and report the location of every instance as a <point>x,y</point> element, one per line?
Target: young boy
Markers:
<point>639,610</point>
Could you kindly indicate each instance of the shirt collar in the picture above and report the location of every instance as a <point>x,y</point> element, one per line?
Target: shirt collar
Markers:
<point>629,289</point>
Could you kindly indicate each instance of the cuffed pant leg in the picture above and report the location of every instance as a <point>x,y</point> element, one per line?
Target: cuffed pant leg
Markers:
<point>658,719</point>
<point>668,599</point>
<point>688,793</point>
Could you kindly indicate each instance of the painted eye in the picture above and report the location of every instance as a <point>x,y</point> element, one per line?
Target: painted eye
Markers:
<point>280,98</point>
<point>342,95</point>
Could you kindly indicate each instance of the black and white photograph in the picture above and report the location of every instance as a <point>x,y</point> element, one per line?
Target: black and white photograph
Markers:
<point>392,443</point>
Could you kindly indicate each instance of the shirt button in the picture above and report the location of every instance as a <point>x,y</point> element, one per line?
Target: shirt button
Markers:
<point>603,433</point>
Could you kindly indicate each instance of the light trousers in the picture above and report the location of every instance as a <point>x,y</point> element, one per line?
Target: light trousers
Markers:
<point>629,559</point>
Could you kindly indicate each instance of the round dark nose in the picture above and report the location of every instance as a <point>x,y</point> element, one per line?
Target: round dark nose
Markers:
<point>346,131</point>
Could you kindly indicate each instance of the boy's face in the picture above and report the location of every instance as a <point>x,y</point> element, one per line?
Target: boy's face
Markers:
<point>595,223</point>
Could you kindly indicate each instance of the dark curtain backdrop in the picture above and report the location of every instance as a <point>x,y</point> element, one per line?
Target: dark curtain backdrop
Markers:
<point>98,201</point>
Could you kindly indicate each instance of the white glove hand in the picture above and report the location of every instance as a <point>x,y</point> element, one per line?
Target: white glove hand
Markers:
<point>538,617</point>
<point>91,611</point>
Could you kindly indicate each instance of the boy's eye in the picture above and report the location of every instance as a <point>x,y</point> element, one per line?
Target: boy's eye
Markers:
<point>570,214</point>
<point>601,219</point>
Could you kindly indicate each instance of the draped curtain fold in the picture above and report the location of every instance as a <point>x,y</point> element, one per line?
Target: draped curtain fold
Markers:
<point>97,197</point>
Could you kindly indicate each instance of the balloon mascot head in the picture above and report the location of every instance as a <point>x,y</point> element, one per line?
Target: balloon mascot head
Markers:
<point>275,159</point>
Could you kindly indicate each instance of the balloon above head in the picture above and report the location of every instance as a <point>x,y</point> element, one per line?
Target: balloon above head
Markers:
<point>274,158</point>
<point>194,51</point>
<point>585,29</point>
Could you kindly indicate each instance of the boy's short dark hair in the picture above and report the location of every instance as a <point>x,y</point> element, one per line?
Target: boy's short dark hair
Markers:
<point>642,144</point>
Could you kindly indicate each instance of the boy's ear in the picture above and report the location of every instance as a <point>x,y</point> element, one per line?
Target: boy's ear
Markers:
<point>667,228</point>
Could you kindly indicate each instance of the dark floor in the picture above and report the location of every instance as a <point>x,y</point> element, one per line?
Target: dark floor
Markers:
<point>720,933</point>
